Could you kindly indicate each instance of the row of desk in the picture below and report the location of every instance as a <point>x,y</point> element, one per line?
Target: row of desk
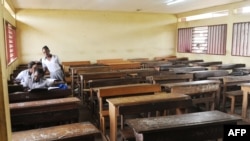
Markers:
<point>113,110</point>
<point>116,104</point>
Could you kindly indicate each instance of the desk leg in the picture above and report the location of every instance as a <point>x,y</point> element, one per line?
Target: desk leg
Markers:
<point>113,122</point>
<point>244,104</point>
<point>217,97</point>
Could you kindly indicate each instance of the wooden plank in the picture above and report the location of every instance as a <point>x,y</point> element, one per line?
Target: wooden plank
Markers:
<point>207,64</point>
<point>227,66</point>
<point>128,89</point>
<point>199,75</point>
<point>167,67</point>
<point>187,69</point>
<point>27,96</point>
<point>171,78</point>
<point>68,132</point>
<point>104,61</point>
<point>183,127</point>
<point>209,88</point>
<point>15,88</point>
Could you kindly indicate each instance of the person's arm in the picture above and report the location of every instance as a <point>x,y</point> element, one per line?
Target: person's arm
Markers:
<point>25,83</point>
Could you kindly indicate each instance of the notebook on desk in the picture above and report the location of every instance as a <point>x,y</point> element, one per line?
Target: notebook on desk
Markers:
<point>35,90</point>
<point>42,89</point>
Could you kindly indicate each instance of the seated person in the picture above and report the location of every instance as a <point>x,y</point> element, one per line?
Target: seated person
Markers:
<point>26,73</point>
<point>37,80</point>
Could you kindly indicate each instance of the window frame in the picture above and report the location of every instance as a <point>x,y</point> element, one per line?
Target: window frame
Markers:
<point>211,48</point>
<point>240,47</point>
<point>10,43</point>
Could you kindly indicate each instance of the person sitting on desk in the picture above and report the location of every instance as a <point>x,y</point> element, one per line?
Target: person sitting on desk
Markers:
<point>38,80</point>
<point>26,73</point>
<point>51,63</point>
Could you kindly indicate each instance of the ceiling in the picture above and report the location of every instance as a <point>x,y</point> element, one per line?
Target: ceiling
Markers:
<point>152,6</point>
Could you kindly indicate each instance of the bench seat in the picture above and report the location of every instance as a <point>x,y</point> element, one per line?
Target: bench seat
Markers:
<point>232,95</point>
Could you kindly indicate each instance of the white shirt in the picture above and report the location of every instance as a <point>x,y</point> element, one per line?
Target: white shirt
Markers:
<point>22,75</point>
<point>53,64</point>
<point>42,83</point>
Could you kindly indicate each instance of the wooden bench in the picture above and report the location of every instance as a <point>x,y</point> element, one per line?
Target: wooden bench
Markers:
<point>169,78</point>
<point>117,91</point>
<point>32,96</point>
<point>137,59</point>
<point>231,89</point>
<point>150,105</point>
<point>124,65</point>
<point>202,92</point>
<point>172,59</point>
<point>160,58</point>
<point>44,112</point>
<point>91,98</point>
<point>202,75</point>
<point>167,67</point>
<point>143,73</point>
<point>198,126</point>
<point>245,87</point>
<point>177,60</point>
<point>85,77</point>
<point>153,63</point>
<point>227,66</point>
<point>68,64</point>
<point>242,69</point>
<point>75,71</point>
<point>15,88</point>
<point>207,64</point>
<point>84,131</point>
<point>104,61</point>
<point>187,62</point>
<point>187,69</point>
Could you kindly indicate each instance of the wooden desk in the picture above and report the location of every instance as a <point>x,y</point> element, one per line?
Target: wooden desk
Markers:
<point>203,75</point>
<point>28,96</point>
<point>227,66</point>
<point>242,69</point>
<point>24,114</point>
<point>195,126</point>
<point>122,91</point>
<point>196,87</point>
<point>84,131</point>
<point>207,64</point>
<point>246,89</point>
<point>187,69</point>
<point>190,83</point>
<point>115,103</point>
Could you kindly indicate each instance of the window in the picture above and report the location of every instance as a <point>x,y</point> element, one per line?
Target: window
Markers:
<point>242,10</point>
<point>241,39</point>
<point>204,39</point>
<point>199,39</point>
<point>205,16</point>
<point>10,38</point>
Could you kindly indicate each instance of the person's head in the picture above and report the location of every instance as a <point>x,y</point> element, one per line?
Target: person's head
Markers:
<point>38,74</point>
<point>32,66</point>
<point>46,51</point>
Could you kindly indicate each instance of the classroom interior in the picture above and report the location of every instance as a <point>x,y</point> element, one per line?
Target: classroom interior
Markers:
<point>89,35</point>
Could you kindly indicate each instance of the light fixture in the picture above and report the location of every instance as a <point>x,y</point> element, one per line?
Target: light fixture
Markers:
<point>170,2</point>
